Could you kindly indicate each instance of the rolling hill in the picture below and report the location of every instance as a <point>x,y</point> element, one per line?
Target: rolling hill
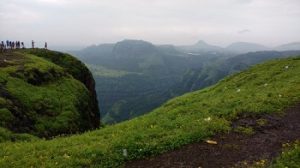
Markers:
<point>267,88</point>
<point>244,47</point>
<point>195,79</point>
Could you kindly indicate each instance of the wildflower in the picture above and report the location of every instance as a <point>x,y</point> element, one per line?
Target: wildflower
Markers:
<point>286,67</point>
<point>238,90</point>
<point>280,95</point>
<point>66,156</point>
<point>207,119</point>
<point>265,84</point>
<point>125,152</point>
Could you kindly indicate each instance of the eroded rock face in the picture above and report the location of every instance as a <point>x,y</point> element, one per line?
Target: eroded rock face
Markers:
<point>89,83</point>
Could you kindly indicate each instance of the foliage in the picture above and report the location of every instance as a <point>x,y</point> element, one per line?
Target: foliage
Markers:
<point>6,135</point>
<point>290,157</point>
<point>72,65</point>
<point>42,98</point>
<point>244,130</point>
<point>180,121</point>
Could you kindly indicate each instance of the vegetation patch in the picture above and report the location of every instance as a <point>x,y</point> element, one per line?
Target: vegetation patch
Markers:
<point>189,118</point>
<point>41,98</point>
<point>290,156</point>
<point>244,130</point>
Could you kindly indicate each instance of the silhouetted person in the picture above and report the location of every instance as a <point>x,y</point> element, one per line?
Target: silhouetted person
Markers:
<point>22,43</point>
<point>46,45</point>
<point>2,46</point>
<point>18,44</point>
<point>32,44</point>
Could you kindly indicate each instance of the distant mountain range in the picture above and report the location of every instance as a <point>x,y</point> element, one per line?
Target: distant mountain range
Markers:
<point>199,48</point>
<point>235,48</point>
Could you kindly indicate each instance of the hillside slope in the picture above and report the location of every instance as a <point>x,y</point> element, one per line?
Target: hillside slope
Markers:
<point>196,79</point>
<point>264,89</point>
<point>45,93</point>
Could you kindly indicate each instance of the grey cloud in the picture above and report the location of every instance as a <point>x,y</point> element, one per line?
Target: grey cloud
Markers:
<point>243,31</point>
<point>84,22</point>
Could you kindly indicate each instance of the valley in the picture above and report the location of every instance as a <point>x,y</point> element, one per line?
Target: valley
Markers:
<point>134,77</point>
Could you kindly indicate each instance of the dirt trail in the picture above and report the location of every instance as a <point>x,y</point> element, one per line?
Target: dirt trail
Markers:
<point>234,148</point>
<point>10,58</point>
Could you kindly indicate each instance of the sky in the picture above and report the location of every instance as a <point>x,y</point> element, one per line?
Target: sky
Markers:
<point>179,22</point>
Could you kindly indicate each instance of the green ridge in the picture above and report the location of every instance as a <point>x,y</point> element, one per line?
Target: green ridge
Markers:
<point>265,88</point>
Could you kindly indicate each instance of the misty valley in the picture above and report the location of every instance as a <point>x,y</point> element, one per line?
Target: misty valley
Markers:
<point>134,77</point>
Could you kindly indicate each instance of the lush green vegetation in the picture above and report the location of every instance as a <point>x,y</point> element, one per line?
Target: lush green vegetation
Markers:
<point>265,88</point>
<point>290,157</point>
<point>6,135</point>
<point>129,96</point>
<point>214,71</point>
<point>40,97</point>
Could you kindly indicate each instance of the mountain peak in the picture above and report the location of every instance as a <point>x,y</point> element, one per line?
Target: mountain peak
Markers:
<point>201,42</point>
<point>244,47</point>
<point>134,42</point>
<point>289,46</point>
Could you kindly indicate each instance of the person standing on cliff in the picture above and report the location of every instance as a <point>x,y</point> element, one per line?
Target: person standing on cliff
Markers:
<point>46,45</point>
<point>2,46</point>
<point>22,43</point>
<point>32,44</point>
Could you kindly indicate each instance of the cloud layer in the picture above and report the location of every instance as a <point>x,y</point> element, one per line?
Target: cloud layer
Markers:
<point>84,22</point>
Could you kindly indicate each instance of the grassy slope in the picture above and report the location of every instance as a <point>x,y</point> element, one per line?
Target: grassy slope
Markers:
<point>290,157</point>
<point>51,103</point>
<point>265,88</point>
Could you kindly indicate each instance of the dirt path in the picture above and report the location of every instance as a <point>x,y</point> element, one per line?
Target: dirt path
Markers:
<point>7,58</point>
<point>235,148</point>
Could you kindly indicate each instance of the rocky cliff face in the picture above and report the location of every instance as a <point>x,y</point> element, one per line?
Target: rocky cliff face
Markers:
<point>46,93</point>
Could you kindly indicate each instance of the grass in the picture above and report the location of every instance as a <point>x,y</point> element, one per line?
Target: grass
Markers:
<point>41,98</point>
<point>265,88</point>
<point>6,135</point>
<point>245,130</point>
<point>72,65</point>
<point>290,157</point>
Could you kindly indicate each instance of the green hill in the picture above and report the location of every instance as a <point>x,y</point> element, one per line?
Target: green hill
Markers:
<point>45,93</point>
<point>265,88</point>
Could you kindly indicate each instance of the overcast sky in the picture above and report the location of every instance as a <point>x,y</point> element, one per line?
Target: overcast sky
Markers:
<point>86,22</point>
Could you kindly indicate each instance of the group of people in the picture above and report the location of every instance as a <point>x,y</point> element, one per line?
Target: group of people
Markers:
<point>10,45</point>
